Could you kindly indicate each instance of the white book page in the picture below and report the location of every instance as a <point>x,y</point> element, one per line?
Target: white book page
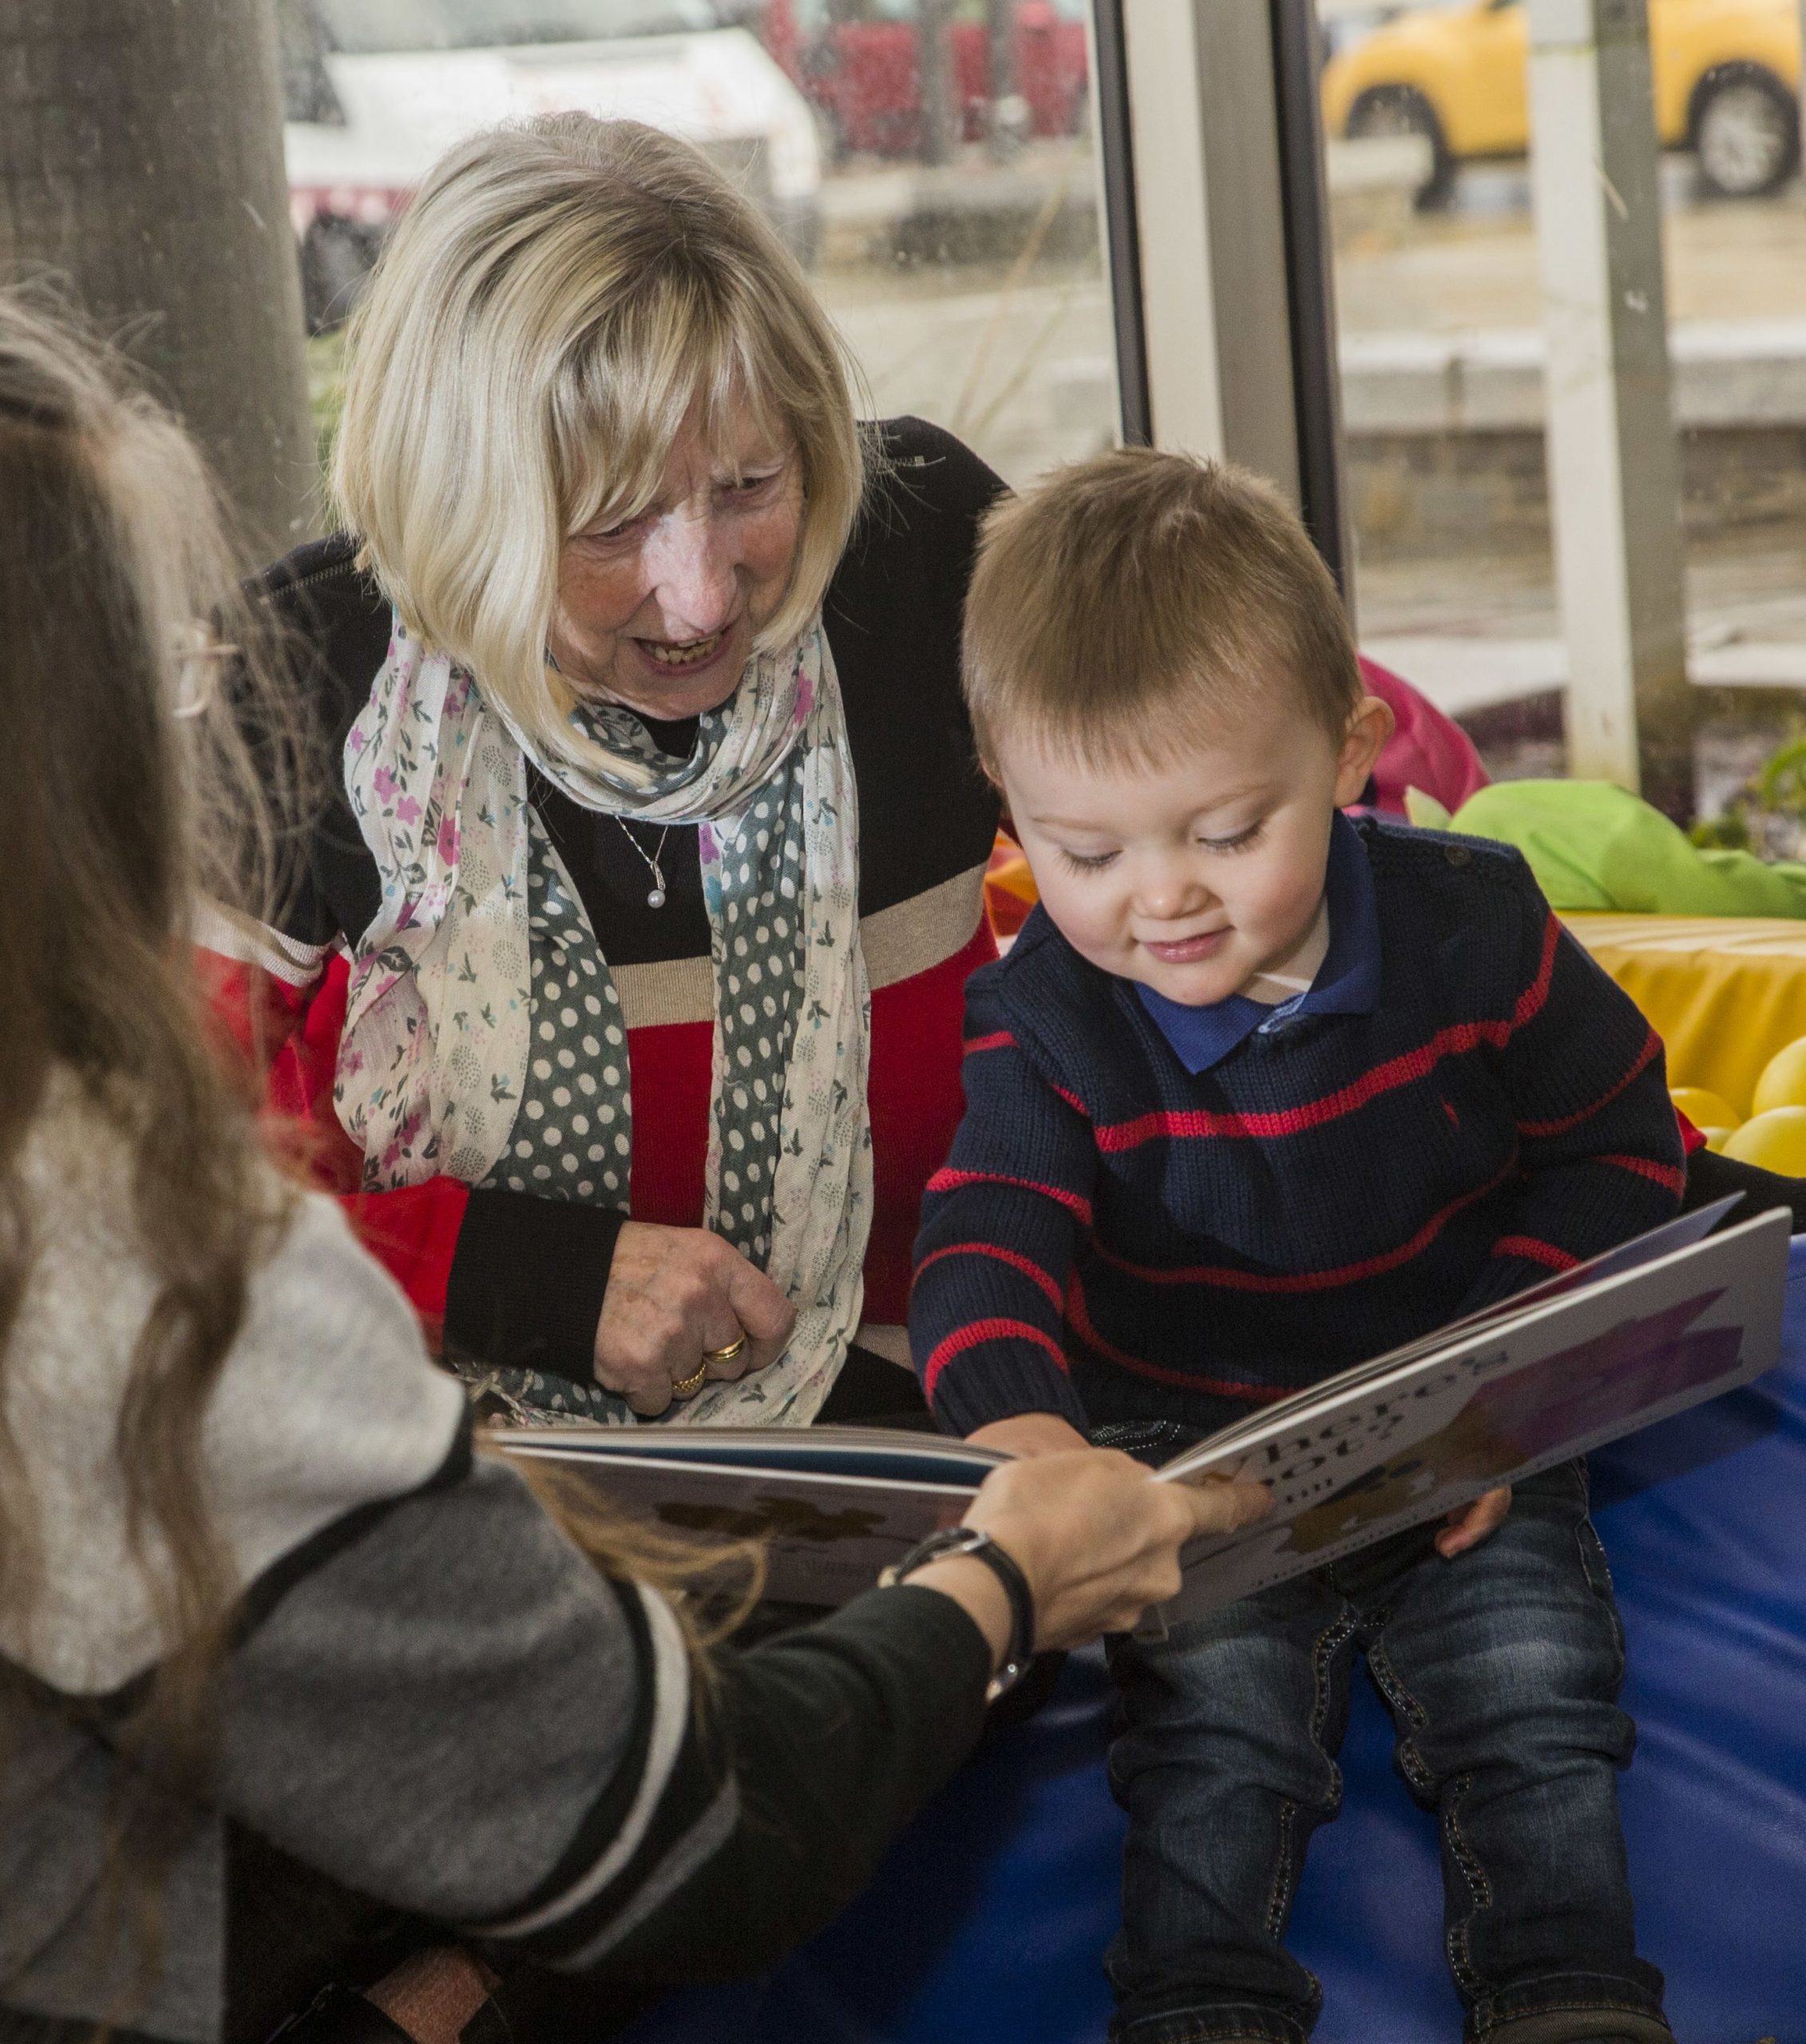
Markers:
<point>1498,1403</point>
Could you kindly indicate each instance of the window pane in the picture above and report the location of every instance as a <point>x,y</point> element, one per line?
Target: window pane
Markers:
<point>1727,75</point>
<point>1427,116</point>
<point>1441,314</point>
<point>948,215</point>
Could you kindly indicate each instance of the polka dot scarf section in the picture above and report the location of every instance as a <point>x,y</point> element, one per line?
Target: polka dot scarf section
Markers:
<point>573,1138</point>
<point>757,928</point>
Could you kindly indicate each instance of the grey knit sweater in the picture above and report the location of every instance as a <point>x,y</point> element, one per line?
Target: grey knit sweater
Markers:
<point>436,1718</point>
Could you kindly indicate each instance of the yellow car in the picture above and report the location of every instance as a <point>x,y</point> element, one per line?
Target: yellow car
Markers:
<point>1727,76</point>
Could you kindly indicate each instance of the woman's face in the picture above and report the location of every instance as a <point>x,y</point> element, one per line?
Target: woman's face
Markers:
<point>659,613</point>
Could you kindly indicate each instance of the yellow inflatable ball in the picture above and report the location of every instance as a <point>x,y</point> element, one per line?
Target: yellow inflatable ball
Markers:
<point>1703,1108</point>
<point>1783,1083</point>
<point>1716,1138</point>
<point>1776,1141</point>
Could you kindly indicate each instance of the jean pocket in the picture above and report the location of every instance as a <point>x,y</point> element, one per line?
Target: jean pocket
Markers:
<point>1562,1490</point>
<point>1599,1574</point>
<point>1151,1441</point>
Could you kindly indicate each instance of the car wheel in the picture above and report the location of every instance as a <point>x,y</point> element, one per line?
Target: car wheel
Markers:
<point>337,256</point>
<point>1746,131</point>
<point>1403,110</point>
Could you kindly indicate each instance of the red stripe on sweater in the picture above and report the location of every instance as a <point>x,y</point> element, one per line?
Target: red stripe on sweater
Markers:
<point>1670,1177</point>
<point>1457,1040</point>
<point>951,1181</point>
<point>1306,1280</point>
<point>1079,1320</point>
<point>1535,1251</point>
<point>999,1039</point>
<point>1531,1001</point>
<point>1009,1256</point>
<point>1651,1050</point>
<point>978,1331</point>
<point>1407,1070</point>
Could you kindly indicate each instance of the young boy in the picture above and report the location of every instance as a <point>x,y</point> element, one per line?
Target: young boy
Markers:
<point>1261,1091</point>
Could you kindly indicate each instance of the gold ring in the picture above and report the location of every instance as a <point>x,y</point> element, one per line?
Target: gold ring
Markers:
<point>725,1355</point>
<point>688,1387</point>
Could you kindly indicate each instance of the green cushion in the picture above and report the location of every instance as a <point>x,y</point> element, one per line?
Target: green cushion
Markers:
<point>1592,845</point>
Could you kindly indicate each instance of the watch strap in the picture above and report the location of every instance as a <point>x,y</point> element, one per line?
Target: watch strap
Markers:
<point>952,1541</point>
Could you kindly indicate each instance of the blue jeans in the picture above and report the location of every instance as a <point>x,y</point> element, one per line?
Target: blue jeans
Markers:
<point>1501,1670</point>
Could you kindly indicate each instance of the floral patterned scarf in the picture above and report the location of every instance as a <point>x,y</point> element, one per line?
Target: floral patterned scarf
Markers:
<point>440,1018</point>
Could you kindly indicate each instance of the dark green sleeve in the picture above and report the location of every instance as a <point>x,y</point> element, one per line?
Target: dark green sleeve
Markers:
<point>835,1734</point>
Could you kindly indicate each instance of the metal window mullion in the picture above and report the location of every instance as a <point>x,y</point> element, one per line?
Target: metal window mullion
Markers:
<point>1122,229</point>
<point>1316,377</point>
<point>1216,222</point>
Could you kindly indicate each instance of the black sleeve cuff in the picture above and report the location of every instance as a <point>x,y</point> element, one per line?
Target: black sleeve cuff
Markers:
<point>1711,1175</point>
<point>1500,1278</point>
<point>527,1281</point>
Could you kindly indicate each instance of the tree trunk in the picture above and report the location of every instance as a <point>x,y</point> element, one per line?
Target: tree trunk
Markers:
<point>141,171</point>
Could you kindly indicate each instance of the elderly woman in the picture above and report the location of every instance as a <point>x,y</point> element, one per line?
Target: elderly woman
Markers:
<point>632,934</point>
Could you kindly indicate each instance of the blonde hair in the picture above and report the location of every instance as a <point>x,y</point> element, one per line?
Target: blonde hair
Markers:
<point>1140,598</point>
<point>558,301</point>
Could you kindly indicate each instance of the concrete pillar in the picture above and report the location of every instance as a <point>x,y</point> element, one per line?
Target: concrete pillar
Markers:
<point>1614,465</point>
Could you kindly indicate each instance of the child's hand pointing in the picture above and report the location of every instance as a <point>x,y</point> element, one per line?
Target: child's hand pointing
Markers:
<point>1469,1524</point>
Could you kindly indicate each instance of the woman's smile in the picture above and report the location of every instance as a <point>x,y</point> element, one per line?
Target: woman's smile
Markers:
<point>666,654</point>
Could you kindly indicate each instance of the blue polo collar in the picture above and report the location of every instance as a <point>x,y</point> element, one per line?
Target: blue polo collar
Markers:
<point>1347,982</point>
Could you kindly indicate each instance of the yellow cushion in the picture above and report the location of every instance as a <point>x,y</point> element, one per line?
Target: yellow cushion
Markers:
<point>1725,993</point>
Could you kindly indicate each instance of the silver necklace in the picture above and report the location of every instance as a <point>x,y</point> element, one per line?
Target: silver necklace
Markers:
<point>656,898</point>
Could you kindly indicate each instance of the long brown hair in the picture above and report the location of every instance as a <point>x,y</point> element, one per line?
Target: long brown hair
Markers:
<point>149,752</point>
<point>128,790</point>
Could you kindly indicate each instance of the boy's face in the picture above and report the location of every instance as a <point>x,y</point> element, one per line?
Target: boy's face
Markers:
<point>1192,877</point>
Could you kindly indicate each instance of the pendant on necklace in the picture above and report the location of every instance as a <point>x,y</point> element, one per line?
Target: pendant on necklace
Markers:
<point>655,861</point>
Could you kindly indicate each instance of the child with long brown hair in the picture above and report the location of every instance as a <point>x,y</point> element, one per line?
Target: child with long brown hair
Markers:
<point>293,1686</point>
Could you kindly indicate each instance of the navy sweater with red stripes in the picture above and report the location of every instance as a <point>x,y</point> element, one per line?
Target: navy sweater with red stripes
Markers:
<point>1114,1238</point>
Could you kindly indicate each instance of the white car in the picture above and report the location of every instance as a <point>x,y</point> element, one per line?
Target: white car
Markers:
<point>376,90</point>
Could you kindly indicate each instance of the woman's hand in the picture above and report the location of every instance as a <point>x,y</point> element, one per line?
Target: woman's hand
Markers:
<point>672,1293</point>
<point>1097,1538</point>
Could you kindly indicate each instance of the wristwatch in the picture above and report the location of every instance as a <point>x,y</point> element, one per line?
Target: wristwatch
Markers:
<point>954,1540</point>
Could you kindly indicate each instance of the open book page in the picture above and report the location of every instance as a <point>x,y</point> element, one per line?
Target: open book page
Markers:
<point>1658,1325</point>
<point>1368,1454</point>
<point>836,1504</point>
<point>897,1457</point>
<point>1683,1231</point>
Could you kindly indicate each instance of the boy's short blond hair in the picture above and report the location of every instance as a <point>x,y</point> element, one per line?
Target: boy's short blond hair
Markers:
<point>1136,599</point>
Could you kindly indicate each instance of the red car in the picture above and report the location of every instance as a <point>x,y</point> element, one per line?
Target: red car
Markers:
<point>856,60</point>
